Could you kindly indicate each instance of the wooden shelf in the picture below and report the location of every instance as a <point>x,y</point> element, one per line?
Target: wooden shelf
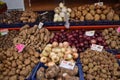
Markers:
<point>38,5</point>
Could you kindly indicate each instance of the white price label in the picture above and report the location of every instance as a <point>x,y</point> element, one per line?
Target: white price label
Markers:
<point>4,31</point>
<point>89,33</point>
<point>99,4</point>
<point>40,25</point>
<point>66,18</point>
<point>97,47</point>
<point>67,65</point>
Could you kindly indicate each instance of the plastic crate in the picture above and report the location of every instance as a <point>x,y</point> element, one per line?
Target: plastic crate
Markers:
<point>34,71</point>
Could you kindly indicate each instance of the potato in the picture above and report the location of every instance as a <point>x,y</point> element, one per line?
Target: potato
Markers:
<point>88,16</point>
<point>97,17</point>
<point>102,17</point>
<point>116,17</point>
<point>110,15</point>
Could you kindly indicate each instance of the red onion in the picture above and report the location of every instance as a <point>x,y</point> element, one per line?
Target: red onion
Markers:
<point>78,39</point>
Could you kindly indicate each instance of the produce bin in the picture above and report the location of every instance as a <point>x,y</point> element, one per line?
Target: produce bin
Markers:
<point>34,71</point>
<point>80,65</point>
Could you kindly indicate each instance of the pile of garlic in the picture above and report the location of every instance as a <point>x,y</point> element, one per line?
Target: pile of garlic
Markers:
<point>60,13</point>
<point>56,52</point>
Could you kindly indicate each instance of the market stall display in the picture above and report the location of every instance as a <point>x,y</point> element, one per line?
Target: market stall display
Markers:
<point>28,17</point>
<point>6,41</point>
<point>93,12</point>
<point>78,38</point>
<point>10,17</point>
<point>17,66</point>
<point>43,49</point>
<point>56,52</point>
<point>99,65</point>
<point>33,36</point>
<point>58,73</point>
<point>112,38</point>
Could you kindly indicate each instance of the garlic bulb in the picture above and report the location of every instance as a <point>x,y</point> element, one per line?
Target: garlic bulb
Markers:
<point>62,14</point>
<point>64,9</point>
<point>61,5</point>
<point>69,10</point>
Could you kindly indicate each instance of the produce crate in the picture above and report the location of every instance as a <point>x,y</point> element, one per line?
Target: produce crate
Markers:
<point>35,69</point>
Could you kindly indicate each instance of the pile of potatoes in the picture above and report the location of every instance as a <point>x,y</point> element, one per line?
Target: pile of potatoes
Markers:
<point>10,17</point>
<point>17,66</point>
<point>56,52</point>
<point>57,73</point>
<point>112,38</point>
<point>6,41</point>
<point>99,65</point>
<point>28,17</point>
<point>92,12</point>
<point>33,36</point>
<point>117,8</point>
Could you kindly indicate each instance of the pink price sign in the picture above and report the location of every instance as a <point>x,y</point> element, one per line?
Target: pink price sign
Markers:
<point>20,47</point>
<point>118,29</point>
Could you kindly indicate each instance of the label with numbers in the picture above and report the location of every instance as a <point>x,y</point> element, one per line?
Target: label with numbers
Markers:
<point>20,47</point>
<point>4,31</point>
<point>97,47</point>
<point>67,65</point>
<point>99,4</point>
<point>89,33</point>
<point>40,25</point>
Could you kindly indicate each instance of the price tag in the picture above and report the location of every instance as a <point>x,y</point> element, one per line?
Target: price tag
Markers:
<point>20,47</point>
<point>118,29</point>
<point>67,65</point>
<point>66,18</point>
<point>4,31</point>
<point>99,4</point>
<point>40,25</point>
<point>89,33</point>
<point>97,47</point>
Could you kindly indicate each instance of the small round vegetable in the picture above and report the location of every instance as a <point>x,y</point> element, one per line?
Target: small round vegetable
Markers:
<point>43,59</point>
<point>50,64</point>
<point>65,44</point>
<point>75,55</point>
<point>55,44</point>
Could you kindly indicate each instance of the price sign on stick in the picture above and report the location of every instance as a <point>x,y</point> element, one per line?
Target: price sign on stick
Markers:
<point>97,47</point>
<point>66,18</point>
<point>40,25</point>
<point>67,65</point>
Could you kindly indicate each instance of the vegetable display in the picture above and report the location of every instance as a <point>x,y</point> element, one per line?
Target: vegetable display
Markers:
<point>11,17</point>
<point>6,41</point>
<point>33,36</point>
<point>17,66</point>
<point>58,73</point>
<point>28,17</point>
<point>94,12</point>
<point>61,12</point>
<point>99,65</point>
<point>56,52</point>
<point>112,38</point>
<point>78,39</point>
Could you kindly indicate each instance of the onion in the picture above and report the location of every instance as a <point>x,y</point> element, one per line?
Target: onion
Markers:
<point>60,45</point>
<point>55,44</point>
<point>93,41</point>
<point>65,44</point>
<point>68,57</point>
<point>50,64</point>
<point>75,55</point>
<point>74,49</point>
